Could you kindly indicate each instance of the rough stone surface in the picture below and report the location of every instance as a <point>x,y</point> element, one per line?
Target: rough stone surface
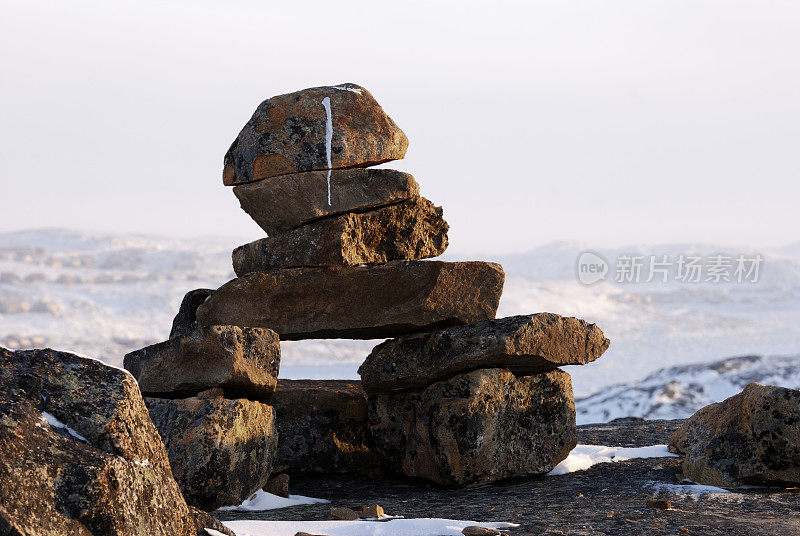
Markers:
<point>524,344</point>
<point>96,467</point>
<point>287,134</point>
<point>343,514</point>
<point>221,450</point>
<point>185,321</point>
<point>243,362</point>
<point>358,302</point>
<point>477,427</point>
<point>608,499</point>
<point>411,230</point>
<point>323,427</point>
<point>750,438</point>
<point>278,485</point>
<point>282,203</point>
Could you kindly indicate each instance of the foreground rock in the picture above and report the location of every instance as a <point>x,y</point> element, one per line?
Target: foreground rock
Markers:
<point>243,362</point>
<point>79,454</point>
<point>330,127</point>
<point>282,203</point>
<point>411,230</point>
<point>477,427</point>
<point>221,450</point>
<point>323,428</point>
<point>524,344</point>
<point>360,302</point>
<point>750,438</point>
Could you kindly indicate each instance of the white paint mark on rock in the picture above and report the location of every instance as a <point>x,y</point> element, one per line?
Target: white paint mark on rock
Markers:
<point>346,88</point>
<point>326,103</point>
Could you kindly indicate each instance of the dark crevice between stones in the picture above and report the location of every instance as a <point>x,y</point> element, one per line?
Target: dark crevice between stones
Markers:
<point>230,393</point>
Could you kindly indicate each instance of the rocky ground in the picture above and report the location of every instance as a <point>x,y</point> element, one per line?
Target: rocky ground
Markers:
<point>608,498</point>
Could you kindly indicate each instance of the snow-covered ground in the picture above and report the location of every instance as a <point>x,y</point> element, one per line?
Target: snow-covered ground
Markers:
<point>104,295</point>
<point>394,527</point>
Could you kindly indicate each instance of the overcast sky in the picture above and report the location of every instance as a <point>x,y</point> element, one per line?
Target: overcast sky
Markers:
<point>609,123</point>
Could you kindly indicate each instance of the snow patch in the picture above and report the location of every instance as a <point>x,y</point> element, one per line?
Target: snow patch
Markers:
<point>261,500</point>
<point>583,457</point>
<point>50,419</point>
<point>213,532</point>
<point>395,527</point>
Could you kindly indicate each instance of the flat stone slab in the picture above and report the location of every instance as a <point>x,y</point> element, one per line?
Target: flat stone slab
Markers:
<point>243,362</point>
<point>358,302</point>
<point>477,427</point>
<point>525,344</point>
<point>220,450</point>
<point>411,230</point>
<point>323,428</point>
<point>320,128</point>
<point>282,203</point>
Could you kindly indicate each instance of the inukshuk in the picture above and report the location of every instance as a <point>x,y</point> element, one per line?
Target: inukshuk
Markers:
<point>457,397</point>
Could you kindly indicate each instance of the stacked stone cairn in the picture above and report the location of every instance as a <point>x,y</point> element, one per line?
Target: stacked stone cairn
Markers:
<point>455,396</point>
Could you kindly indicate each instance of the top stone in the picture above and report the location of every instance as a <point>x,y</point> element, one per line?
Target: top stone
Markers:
<point>329,127</point>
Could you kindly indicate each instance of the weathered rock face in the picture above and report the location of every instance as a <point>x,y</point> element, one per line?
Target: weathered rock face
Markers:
<point>477,427</point>
<point>185,321</point>
<point>242,361</point>
<point>282,203</point>
<point>221,450</point>
<point>79,454</point>
<point>750,438</point>
<point>358,302</point>
<point>323,428</point>
<point>330,127</point>
<point>411,230</point>
<point>524,344</point>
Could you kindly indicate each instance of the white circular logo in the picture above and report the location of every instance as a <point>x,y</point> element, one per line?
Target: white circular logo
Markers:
<point>591,268</point>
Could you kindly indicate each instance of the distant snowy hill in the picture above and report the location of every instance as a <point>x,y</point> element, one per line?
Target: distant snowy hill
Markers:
<point>677,392</point>
<point>104,295</point>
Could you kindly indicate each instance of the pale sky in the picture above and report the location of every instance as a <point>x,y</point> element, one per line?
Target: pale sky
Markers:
<point>608,123</point>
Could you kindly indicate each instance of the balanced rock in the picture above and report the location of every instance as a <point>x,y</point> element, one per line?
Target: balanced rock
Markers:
<point>185,321</point>
<point>358,302</point>
<point>525,344</point>
<point>323,427</point>
<point>411,230</point>
<point>221,450</point>
<point>752,438</point>
<point>477,427</point>
<point>330,127</point>
<point>79,454</point>
<point>243,362</point>
<point>282,203</point>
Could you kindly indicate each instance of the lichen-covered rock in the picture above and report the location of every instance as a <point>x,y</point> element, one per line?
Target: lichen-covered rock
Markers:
<point>329,127</point>
<point>477,427</point>
<point>79,454</point>
<point>221,450</point>
<point>185,321</point>
<point>410,230</point>
<point>282,203</point>
<point>323,427</point>
<point>525,344</point>
<point>750,438</point>
<point>243,362</point>
<point>358,302</point>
